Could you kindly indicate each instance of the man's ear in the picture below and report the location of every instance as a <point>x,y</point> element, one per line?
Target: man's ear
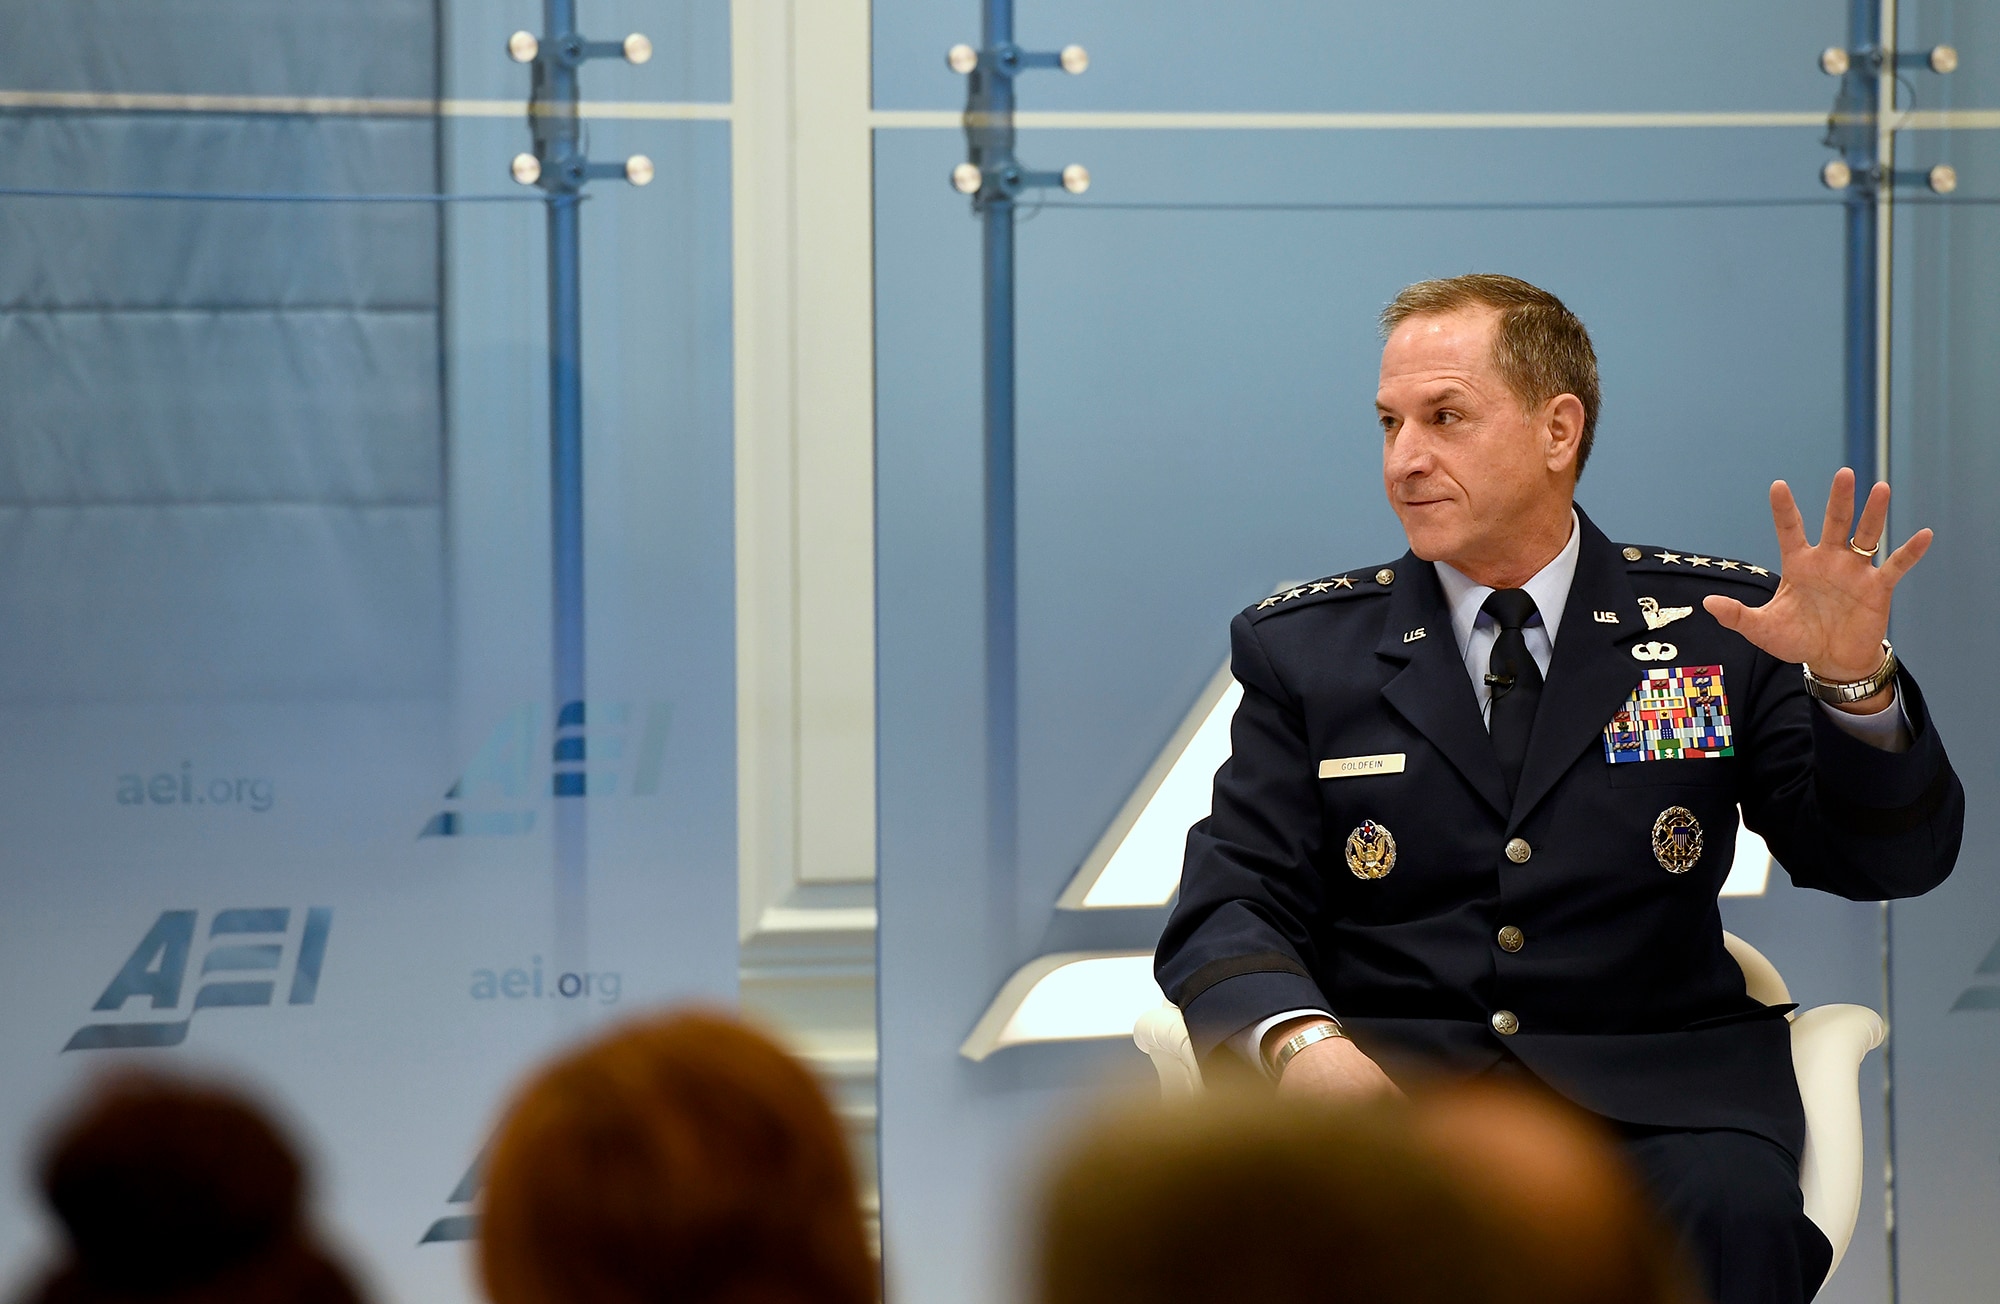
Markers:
<point>1562,425</point>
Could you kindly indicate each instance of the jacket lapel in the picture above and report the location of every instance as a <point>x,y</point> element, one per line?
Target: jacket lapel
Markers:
<point>1591,673</point>
<point>1432,691</point>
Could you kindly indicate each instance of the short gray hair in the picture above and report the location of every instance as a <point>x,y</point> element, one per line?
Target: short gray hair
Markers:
<point>1541,348</point>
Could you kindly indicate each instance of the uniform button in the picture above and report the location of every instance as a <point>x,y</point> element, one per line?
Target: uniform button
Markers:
<point>1518,850</point>
<point>1505,1023</point>
<point>1385,577</point>
<point>1633,554</point>
<point>1512,939</point>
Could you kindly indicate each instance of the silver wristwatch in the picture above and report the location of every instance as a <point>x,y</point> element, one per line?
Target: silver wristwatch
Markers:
<point>1826,690</point>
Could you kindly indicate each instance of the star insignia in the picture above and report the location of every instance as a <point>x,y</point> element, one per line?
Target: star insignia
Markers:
<point>1320,586</point>
<point>1668,557</point>
<point>1271,601</point>
<point>1343,583</point>
<point>1699,561</point>
<point>1758,570</point>
<point>1294,593</point>
<point>1729,565</point>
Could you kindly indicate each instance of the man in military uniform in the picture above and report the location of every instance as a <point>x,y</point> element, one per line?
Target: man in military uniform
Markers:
<point>1482,798</point>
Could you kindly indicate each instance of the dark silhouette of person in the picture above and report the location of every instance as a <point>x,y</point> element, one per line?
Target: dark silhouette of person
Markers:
<point>173,1192</point>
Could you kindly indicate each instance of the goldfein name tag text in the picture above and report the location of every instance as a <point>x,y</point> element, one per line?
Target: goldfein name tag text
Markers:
<point>1348,767</point>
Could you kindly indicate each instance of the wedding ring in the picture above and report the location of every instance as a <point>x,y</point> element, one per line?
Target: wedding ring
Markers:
<point>1864,552</point>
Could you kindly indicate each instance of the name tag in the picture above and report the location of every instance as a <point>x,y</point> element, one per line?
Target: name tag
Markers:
<point>1347,767</point>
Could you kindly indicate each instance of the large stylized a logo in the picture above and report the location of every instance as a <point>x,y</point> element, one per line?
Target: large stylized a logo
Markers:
<point>246,951</point>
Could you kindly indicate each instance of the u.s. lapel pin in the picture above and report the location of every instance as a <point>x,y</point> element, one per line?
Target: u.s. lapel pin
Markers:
<point>1415,634</point>
<point>1605,617</point>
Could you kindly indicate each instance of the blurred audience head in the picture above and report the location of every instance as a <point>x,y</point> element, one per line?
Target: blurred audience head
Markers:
<point>681,1160</point>
<point>1484,1196</point>
<point>1558,1194</point>
<point>1248,1198</point>
<point>172,1192</point>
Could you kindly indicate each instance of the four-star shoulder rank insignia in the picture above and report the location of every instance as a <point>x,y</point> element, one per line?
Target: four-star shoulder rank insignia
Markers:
<point>1696,559</point>
<point>1324,587</point>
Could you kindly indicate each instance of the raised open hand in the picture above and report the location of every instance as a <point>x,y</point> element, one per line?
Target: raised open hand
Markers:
<point>1831,609</point>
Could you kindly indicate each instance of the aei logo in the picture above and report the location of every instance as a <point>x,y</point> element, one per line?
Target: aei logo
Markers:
<point>462,1225</point>
<point>247,950</point>
<point>507,779</point>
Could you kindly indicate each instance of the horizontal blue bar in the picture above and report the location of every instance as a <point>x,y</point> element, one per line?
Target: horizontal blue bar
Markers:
<point>126,1036</point>
<point>233,995</point>
<point>269,919</point>
<point>463,1227</point>
<point>238,958</point>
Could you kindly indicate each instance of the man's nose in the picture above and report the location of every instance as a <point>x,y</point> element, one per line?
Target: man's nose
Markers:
<point>1406,458</point>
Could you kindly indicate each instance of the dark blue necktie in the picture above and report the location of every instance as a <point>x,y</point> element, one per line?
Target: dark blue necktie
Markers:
<point>1515,680</point>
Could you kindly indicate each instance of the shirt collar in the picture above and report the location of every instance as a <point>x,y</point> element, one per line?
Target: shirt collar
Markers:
<point>1549,588</point>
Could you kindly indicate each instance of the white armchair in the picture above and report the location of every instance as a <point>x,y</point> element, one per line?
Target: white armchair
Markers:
<point>1828,1044</point>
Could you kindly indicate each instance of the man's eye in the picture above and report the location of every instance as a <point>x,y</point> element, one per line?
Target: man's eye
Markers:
<point>1446,418</point>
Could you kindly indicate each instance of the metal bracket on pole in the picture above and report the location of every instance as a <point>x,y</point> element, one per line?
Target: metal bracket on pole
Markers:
<point>559,166</point>
<point>993,175</point>
<point>993,178</point>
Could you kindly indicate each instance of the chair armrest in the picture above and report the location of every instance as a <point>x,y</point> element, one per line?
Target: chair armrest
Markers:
<point>1828,1044</point>
<point>1760,977</point>
<point>1163,1035</point>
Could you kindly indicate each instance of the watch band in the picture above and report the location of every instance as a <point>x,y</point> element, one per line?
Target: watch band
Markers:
<point>1288,1050</point>
<point>1826,690</point>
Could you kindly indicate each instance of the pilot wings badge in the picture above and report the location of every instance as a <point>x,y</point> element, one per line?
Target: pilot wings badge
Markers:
<point>1659,617</point>
<point>1371,851</point>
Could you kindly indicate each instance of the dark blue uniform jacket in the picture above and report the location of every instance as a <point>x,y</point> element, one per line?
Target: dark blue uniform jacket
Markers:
<point>1626,1001</point>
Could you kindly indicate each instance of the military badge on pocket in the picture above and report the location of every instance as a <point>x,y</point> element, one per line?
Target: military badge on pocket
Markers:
<point>1371,851</point>
<point>1676,714</point>
<point>1677,839</point>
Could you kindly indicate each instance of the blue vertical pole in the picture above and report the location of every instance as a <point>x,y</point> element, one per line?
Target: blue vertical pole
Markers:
<point>1859,100</point>
<point>994,96</point>
<point>1002,637</point>
<point>558,130</point>
<point>1858,443</point>
<point>566,566</point>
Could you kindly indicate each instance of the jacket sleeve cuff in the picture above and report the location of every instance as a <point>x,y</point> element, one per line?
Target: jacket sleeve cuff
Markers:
<point>1870,781</point>
<point>1239,1003</point>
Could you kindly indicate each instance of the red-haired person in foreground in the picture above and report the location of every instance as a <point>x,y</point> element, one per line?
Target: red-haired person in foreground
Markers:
<point>681,1160</point>
<point>175,1193</point>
